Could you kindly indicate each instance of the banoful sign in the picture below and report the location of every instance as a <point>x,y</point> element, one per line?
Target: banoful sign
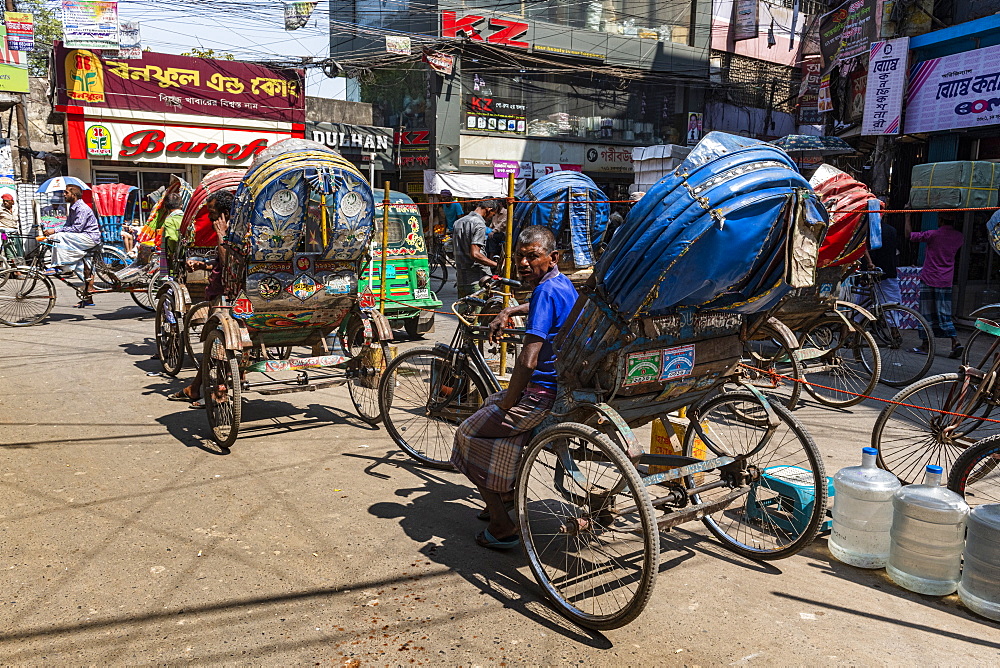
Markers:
<point>164,83</point>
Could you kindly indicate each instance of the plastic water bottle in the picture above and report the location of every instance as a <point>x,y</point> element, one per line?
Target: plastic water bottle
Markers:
<point>980,586</point>
<point>927,536</point>
<point>862,513</point>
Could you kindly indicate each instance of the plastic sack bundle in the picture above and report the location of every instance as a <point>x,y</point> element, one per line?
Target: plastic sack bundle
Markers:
<point>564,201</point>
<point>846,199</point>
<point>734,227</point>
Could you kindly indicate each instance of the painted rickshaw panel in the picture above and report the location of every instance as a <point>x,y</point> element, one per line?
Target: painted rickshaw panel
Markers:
<point>115,204</point>
<point>407,267</point>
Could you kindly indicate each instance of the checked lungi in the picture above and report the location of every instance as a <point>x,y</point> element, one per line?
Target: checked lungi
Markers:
<point>935,305</point>
<point>488,444</point>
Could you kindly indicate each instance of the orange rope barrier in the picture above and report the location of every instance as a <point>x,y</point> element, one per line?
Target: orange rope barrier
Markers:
<point>776,375</point>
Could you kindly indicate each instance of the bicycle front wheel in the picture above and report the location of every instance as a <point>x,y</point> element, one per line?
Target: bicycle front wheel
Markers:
<point>780,471</point>
<point>897,330</point>
<point>423,397</point>
<point>26,297</point>
<point>146,297</point>
<point>909,437</point>
<point>588,526</point>
<point>976,473</point>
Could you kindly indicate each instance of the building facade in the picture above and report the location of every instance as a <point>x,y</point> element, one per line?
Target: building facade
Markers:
<point>528,88</point>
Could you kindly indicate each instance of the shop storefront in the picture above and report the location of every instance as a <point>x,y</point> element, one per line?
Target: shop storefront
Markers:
<point>141,121</point>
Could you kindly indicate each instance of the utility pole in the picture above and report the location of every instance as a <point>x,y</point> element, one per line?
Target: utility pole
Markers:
<point>23,139</point>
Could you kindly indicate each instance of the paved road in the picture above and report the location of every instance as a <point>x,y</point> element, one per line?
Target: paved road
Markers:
<point>126,539</point>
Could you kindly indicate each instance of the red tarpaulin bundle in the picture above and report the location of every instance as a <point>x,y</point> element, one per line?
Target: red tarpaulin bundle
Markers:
<point>846,199</point>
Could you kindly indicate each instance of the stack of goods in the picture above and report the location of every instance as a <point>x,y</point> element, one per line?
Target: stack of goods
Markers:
<point>652,163</point>
<point>847,201</point>
<point>954,185</point>
<point>574,208</point>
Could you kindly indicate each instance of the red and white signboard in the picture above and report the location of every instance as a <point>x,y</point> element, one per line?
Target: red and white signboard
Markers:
<point>111,140</point>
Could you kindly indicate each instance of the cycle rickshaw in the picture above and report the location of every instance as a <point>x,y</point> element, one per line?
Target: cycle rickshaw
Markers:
<point>815,335</point>
<point>297,242</point>
<point>181,307</point>
<point>657,328</point>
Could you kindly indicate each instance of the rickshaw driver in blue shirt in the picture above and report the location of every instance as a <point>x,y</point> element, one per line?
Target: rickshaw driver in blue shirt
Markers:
<point>488,444</point>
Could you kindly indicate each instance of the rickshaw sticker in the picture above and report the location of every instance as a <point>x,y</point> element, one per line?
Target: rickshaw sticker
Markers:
<point>826,290</point>
<point>678,362</point>
<point>302,263</point>
<point>303,287</point>
<point>642,367</point>
<point>367,299</point>
<point>338,284</point>
<point>242,307</point>
<point>351,204</point>
<point>284,202</point>
<point>269,288</point>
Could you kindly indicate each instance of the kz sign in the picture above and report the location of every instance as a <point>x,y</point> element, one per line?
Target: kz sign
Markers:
<point>491,29</point>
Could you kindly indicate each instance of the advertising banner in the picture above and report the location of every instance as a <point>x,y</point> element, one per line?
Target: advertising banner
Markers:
<point>745,19</point>
<point>177,145</point>
<point>491,114</point>
<point>825,102</point>
<point>20,31</point>
<point>297,13</point>
<point>886,83</point>
<point>441,63</point>
<point>847,31</point>
<point>504,168</point>
<point>695,120</point>
<point>13,70</point>
<point>809,95</point>
<point>90,24</point>
<point>130,47</point>
<point>159,82</point>
<point>958,91</point>
<point>397,44</point>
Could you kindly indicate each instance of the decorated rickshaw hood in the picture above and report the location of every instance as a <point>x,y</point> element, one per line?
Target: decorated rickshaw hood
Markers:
<point>301,194</point>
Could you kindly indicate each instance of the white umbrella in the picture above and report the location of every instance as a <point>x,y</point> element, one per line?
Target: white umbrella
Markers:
<point>60,183</point>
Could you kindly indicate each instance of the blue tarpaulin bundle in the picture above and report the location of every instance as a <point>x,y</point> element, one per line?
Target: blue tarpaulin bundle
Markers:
<point>562,199</point>
<point>715,234</point>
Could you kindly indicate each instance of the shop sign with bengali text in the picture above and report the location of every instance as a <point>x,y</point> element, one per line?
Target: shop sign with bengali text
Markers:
<point>13,71</point>
<point>504,168</point>
<point>825,102</point>
<point>130,142</point>
<point>485,113</point>
<point>847,31</point>
<point>165,83</point>
<point>809,93</point>
<point>958,91</point>
<point>886,84</point>
<point>609,159</point>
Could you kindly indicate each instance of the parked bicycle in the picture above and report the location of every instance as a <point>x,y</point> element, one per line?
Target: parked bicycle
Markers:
<point>439,259</point>
<point>897,330</point>
<point>963,411</point>
<point>426,392</point>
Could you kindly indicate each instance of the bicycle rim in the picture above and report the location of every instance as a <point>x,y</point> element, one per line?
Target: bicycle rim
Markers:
<point>897,331</point>
<point>976,474</point>
<point>26,297</point>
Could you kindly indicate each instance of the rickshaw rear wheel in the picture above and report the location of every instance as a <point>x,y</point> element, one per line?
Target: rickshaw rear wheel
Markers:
<point>169,335</point>
<point>783,476</point>
<point>194,321</point>
<point>591,541</point>
<point>146,298</point>
<point>221,388</point>
<point>364,372</point>
<point>849,364</point>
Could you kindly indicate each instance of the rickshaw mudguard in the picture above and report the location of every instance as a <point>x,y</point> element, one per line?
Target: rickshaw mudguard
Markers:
<point>854,307</point>
<point>587,402</point>
<point>787,336</point>
<point>182,298</point>
<point>236,333</point>
<point>376,320</point>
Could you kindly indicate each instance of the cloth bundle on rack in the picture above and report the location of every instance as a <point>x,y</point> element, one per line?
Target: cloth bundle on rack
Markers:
<point>733,228</point>
<point>847,201</point>
<point>567,201</point>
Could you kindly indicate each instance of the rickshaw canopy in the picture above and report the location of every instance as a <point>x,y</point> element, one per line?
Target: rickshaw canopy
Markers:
<point>567,200</point>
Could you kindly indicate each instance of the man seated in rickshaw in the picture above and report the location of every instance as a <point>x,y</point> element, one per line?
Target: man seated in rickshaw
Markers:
<point>488,444</point>
<point>219,205</point>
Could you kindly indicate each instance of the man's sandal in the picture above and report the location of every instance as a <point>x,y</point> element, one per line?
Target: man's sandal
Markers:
<point>486,539</point>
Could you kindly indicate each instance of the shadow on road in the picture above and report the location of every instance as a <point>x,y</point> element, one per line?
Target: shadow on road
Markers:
<point>438,515</point>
